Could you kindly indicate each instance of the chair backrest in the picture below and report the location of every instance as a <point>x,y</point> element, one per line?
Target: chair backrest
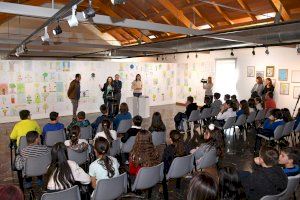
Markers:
<point>112,188</point>
<point>79,158</point>
<point>241,120</point>
<point>274,197</point>
<point>251,117</point>
<point>128,145</point>
<point>214,112</point>
<point>288,128</point>
<point>99,129</point>
<point>297,129</point>
<point>70,193</point>
<point>208,159</point>
<point>206,113</point>
<point>194,116</point>
<point>293,183</point>
<point>53,137</point>
<point>260,115</point>
<point>115,147</point>
<point>180,166</point>
<point>86,133</point>
<point>229,123</point>
<point>268,114</point>
<point>124,125</point>
<point>37,166</point>
<point>148,177</point>
<point>158,138</point>
<point>22,143</point>
<point>278,132</point>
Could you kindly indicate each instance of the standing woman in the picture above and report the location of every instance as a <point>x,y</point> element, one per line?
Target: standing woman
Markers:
<point>258,87</point>
<point>137,86</point>
<point>108,91</point>
<point>208,89</point>
<point>268,87</point>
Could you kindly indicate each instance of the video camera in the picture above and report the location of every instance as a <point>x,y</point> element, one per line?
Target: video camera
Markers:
<point>203,80</point>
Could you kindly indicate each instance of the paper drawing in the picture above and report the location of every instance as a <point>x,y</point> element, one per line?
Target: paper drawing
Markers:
<point>3,89</point>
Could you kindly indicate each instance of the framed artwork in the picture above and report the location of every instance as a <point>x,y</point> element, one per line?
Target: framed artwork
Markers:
<point>284,88</point>
<point>260,74</point>
<point>250,71</point>
<point>296,92</point>
<point>282,74</point>
<point>296,76</point>
<point>270,71</point>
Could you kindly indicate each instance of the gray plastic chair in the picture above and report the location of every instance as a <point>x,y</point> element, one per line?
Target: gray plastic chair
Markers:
<point>214,112</point>
<point>148,177</point>
<point>115,147</point>
<point>22,143</point>
<point>260,115</point>
<point>53,137</point>
<point>241,121</point>
<point>37,166</point>
<point>207,160</point>
<point>86,133</point>
<point>268,114</point>
<point>274,197</point>
<point>68,194</point>
<point>229,123</point>
<point>158,138</point>
<point>288,128</point>
<point>293,183</point>
<point>277,134</point>
<point>205,114</point>
<point>79,158</point>
<point>112,188</point>
<point>128,145</point>
<point>180,167</point>
<point>251,117</point>
<point>124,126</point>
<point>194,116</point>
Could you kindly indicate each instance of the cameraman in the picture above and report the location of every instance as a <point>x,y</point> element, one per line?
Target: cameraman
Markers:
<point>208,85</point>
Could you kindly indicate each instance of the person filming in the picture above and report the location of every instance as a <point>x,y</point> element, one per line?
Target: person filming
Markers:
<point>208,85</point>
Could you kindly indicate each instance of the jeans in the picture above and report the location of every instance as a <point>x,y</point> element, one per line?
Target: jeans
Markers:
<point>75,106</point>
<point>117,104</point>
<point>137,94</point>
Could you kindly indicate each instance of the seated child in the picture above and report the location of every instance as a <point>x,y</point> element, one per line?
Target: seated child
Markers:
<point>289,157</point>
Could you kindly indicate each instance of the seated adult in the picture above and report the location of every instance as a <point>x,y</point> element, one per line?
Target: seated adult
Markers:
<point>206,103</point>
<point>103,115</point>
<point>217,102</point>
<point>190,106</point>
<point>33,150</point>
<point>258,103</point>
<point>53,125</point>
<point>227,111</point>
<point>63,173</point>
<point>108,134</point>
<point>290,159</point>
<point>269,101</point>
<point>286,115</point>
<point>252,106</point>
<point>123,115</point>
<point>157,124</point>
<point>137,123</point>
<point>143,153</point>
<point>75,143</point>
<point>105,166</point>
<point>24,126</point>
<point>267,177</point>
<point>79,121</point>
<point>177,148</point>
<point>269,126</point>
<point>244,109</point>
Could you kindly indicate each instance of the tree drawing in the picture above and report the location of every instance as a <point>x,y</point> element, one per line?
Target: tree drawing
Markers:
<point>12,86</point>
<point>45,107</point>
<point>4,110</point>
<point>29,99</point>
<point>37,100</point>
<point>45,74</point>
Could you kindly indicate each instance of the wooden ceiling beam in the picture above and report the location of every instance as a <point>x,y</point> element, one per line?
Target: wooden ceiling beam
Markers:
<point>246,8</point>
<point>278,7</point>
<point>197,11</point>
<point>224,15</point>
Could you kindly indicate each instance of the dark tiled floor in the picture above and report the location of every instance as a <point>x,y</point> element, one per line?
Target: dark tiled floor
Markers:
<point>238,150</point>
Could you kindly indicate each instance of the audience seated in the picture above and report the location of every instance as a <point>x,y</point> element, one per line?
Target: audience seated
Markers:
<point>123,115</point>
<point>217,102</point>
<point>24,126</point>
<point>269,102</point>
<point>290,159</point>
<point>286,115</point>
<point>258,104</point>
<point>63,173</point>
<point>76,144</point>
<point>80,121</point>
<point>226,97</point>
<point>297,119</point>
<point>137,123</point>
<point>53,125</point>
<point>143,153</point>
<point>233,98</point>
<point>11,192</point>
<point>190,106</point>
<point>244,109</point>
<point>177,148</point>
<point>213,141</point>
<point>227,111</point>
<point>267,178</point>
<point>33,150</point>
<point>206,103</point>
<point>108,134</point>
<point>251,104</point>
<point>103,115</point>
<point>157,124</point>
<point>202,187</point>
<point>104,167</point>
<point>230,187</point>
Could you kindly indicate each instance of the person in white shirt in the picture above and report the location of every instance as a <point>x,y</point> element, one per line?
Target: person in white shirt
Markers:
<point>108,134</point>
<point>227,111</point>
<point>258,103</point>
<point>63,173</point>
<point>76,144</point>
<point>258,87</point>
<point>137,86</point>
<point>105,166</point>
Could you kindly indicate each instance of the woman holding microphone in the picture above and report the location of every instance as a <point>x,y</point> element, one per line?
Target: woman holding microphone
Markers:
<point>137,86</point>
<point>108,94</point>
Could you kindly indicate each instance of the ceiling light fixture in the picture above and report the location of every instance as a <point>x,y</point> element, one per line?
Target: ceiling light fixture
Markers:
<point>89,12</point>
<point>196,55</point>
<point>45,37</point>
<point>298,48</point>
<point>116,2</point>
<point>157,58</point>
<point>253,51</point>
<point>232,54</point>
<point>267,51</point>
<point>57,29</point>
<point>73,19</point>
<point>188,56</point>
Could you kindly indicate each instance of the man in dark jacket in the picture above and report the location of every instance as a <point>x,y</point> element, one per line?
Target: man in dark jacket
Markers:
<point>267,179</point>
<point>190,106</point>
<point>74,93</point>
<point>117,85</point>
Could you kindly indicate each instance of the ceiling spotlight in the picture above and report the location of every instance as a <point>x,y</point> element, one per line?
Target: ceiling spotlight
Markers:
<point>267,51</point>
<point>253,51</point>
<point>157,58</point>
<point>73,20</point>
<point>232,54</point>
<point>89,12</point>
<point>57,30</point>
<point>196,55</point>
<point>188,56</point>
<point>162,58</point>
<point>25,50</point>
<point>116,2</point>
<point>45,37</point>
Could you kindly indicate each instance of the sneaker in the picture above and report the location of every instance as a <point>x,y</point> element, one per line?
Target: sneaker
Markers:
<point>27,185</point>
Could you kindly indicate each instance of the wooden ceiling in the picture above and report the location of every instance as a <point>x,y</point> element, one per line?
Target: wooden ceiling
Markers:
<point>223,15</point>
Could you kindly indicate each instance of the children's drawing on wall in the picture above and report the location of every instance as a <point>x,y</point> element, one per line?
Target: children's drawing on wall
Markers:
<point>28,78</point>
<point>12,99</point>
<point>4,111</point>
<point>21,98</point>
<point>45,107</point>
<point>59,97</point>
<point>37,101</point>
<point>3,89</point>
<point>45,95</point>
<point>45,75</point>
<point>59,86</point>
<point>28,99</point>
<point>12,87</point>
<point>52,87</point>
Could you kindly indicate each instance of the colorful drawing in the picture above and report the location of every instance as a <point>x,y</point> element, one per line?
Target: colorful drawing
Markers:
<point>284,88</point>
<point>29,99</point>
<point>28,78</point>
<point>270,71</point>
<point>260,74</point>
<point>3,89</point>
<point>45,75</point>
<point>12,87</point>
<point>250,71</point>
<point>4,110</point>
<point>45,95</point>
<point>45,88</point>
<point>36,86</point>
<point>52,87</point>
<point>154,97</point>
<point>282,74</point>
<point>45,107</point>
<point>20,88</point>
<point>12,99</point>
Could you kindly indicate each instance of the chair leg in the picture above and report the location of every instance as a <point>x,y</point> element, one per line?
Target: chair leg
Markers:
<point>20,178</point>
<point>178,183</point>
<point>165,189</point>
<point>149,193</point>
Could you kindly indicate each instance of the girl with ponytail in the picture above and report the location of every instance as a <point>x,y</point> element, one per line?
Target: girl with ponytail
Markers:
<point>76,144</point>
<point>105,166</point>
<point>108,134</point>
